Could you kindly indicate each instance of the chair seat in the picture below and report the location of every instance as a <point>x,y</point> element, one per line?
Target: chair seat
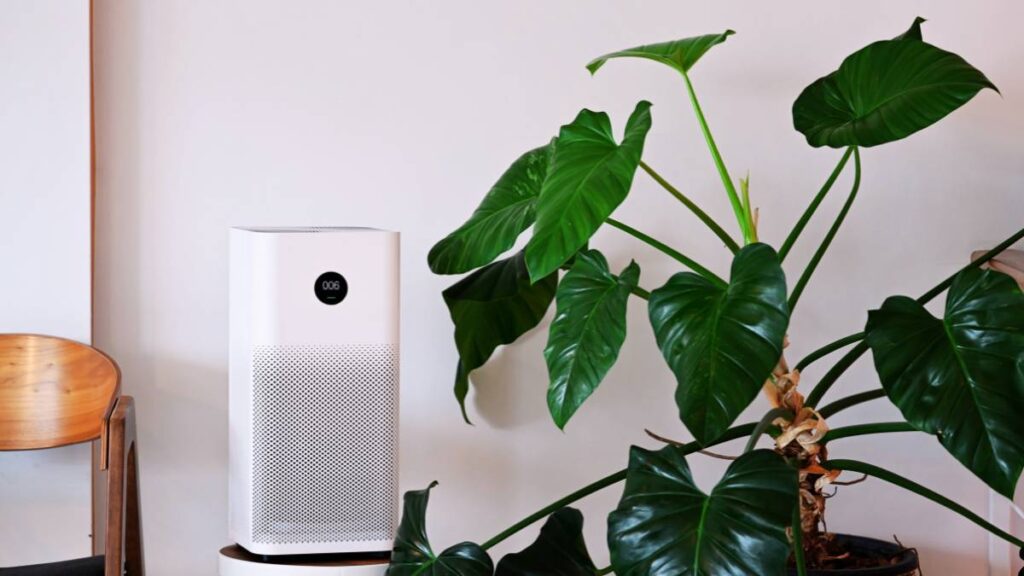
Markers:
<point>92,566</point>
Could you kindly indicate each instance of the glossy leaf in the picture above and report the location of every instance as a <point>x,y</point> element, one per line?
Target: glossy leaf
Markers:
<point>494,306</point>
<point>559,550</point>
<point>721,343</point>
<point>885,92</point>
<point>679,54</point>
<point>665,526</point>
<point>587,332</point>
<point>960,377</point>
<point>590,177</point>
<point>413,555</point>
<point>508,209</point>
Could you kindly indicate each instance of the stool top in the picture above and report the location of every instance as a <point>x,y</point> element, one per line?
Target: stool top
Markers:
<point>236,561</point>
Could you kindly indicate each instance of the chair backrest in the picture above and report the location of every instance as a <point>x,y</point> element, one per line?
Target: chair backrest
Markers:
<point>53,392</point>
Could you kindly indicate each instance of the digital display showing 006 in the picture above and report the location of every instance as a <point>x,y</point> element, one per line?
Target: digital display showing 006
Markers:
<point>330,288</point>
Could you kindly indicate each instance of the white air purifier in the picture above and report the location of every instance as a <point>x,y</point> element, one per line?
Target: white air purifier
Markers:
<point>313,417</point>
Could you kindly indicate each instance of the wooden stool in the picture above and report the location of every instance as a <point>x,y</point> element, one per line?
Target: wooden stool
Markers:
<point>236,561</point>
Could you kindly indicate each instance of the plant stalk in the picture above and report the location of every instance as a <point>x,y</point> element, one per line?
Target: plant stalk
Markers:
<point>794,297</point>
<point>704,217</point>
<point>556,505</point>
<point>641,293</point>
<point>941,286</point>
<point>849,401</point>
<point>763,425</point>
<point>866,429</point>
<point>798,541</point>
<point>813,207</point>
<point>730,188</point>
<point>835,372</point>
<point>678,256</point>
<point>893,478</point>
<point>828,349</point>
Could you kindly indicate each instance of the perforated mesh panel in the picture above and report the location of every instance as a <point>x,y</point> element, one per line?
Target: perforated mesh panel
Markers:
<point>325,443</point>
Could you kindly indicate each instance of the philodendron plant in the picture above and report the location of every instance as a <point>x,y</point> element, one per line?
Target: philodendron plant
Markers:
<point>958,377</point>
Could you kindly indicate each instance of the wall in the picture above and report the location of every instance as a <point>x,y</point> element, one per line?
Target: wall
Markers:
<point>401,114</point>
<point>45,206</point>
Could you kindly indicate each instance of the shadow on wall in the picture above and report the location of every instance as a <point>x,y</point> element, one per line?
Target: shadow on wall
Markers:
<point>509,391</point>
<point>182,459</point>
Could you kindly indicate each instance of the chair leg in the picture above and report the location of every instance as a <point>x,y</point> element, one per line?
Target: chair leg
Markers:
<point>99,501</point>
<point>134,564</point>
<point>124,526</point>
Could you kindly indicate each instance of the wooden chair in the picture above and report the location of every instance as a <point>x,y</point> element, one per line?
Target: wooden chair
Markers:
<point>55,392</point>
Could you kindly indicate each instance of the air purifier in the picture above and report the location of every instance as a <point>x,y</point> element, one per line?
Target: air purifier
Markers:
<point>313,386</point>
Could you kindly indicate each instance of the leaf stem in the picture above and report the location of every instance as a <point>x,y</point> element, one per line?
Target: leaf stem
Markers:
<point>827,241</point>
<point>828,349</point>
<point>846,361</point>
<point>704,217</point>
<point>813,206</point>
<point>941,286</point>
<point>763,425</point>
<point>685,260</point>
<point>866,429</point>
<point>556,505</point>
<point>834,373</point>
<point>798,542</point>
<point>730,188</point>
<point>689,448</point>
<point>603,571</point>
<point>893,478</point>
<point>641,293</point>
<point>850,401</point>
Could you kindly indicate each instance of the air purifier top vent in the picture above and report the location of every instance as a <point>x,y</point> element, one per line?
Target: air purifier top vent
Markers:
<point>306,229</point>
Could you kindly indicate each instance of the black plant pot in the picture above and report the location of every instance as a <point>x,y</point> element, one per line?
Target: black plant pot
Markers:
<point>904,560</point>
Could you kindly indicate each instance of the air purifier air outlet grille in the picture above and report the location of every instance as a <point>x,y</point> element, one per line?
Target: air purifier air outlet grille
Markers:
<point>325,446</point>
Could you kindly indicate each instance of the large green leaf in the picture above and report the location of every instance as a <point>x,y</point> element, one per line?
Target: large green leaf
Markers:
<point>494,306</point>
<point>679,54</point>
<point>885,92</point>
<point>960,377</point>
<point>558,551</point>
<point>721,342</point>
<point>587,332</point>
<point>665,526</point>
<point>412,554</point>
<point>507,210</point>
<point>591,175</point>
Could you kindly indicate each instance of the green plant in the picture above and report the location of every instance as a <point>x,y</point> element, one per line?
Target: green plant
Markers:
<point>959,377</point>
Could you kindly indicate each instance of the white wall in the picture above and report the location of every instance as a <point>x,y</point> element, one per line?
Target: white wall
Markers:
<point>45,206</point>
<point>401,115</point>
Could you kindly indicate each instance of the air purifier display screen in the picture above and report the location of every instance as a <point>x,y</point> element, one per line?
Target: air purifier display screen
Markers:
<point>330,288</point>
